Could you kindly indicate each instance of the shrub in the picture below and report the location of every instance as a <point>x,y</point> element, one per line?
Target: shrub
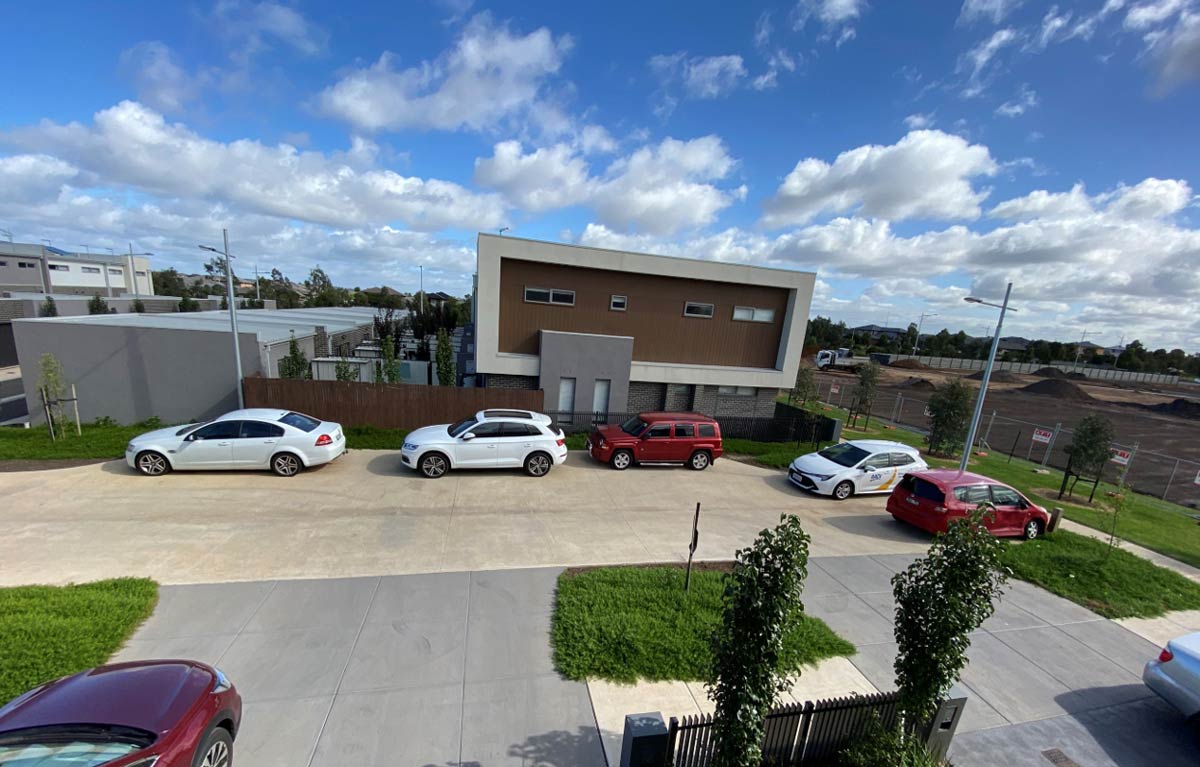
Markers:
<point>295,364</point>
<point>762,605</point>
<point>48,308</point>
<point>97,305</point>
<point>137,307</point>
<point>949,417</point>
<point>52,382</point>
<point>345,371</point>
<point>881,747</point>
<point>805,388</point>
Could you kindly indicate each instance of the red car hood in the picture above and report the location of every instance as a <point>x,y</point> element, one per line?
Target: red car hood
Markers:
<point>613,433</point>
<point>148,695</point>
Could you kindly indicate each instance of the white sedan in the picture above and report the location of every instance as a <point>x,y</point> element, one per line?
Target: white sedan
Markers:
<point>490,439</point>
<point>855,467</point>
<point>256,438</point>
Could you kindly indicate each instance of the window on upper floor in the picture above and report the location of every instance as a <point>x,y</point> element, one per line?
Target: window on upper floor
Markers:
<point>618,303</point>
<point>736,391</point>
<point>141,274</point>
<point>549,296</point>
<point>90,269</point>
<point>59,268</point>
<point>753,314</point>
<point>3,263</point>
<point>697,309</point>
<point>26,264</point>
<point>115,271</point>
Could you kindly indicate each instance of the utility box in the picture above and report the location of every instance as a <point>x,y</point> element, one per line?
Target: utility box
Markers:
<point>645,741</point>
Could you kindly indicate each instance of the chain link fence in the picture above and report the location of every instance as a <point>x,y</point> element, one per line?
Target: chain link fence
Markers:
<point>1167,477</point>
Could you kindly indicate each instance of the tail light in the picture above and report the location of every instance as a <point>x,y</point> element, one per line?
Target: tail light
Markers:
<point>324,440</point>
<point>1166,655</point>
<point>560,442</point>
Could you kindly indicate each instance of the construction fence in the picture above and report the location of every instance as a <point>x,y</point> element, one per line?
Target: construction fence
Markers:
<point>1091,371</point>
<point>1170,478</point>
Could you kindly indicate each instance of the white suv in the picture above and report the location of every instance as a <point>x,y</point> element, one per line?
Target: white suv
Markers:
<point>490,439</point>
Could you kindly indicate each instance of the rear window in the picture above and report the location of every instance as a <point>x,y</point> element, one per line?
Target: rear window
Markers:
<point>973,494</point>
<point>684,430</point>
<point>300,421</point>
<point>923,488</point>
<point>707,430</point>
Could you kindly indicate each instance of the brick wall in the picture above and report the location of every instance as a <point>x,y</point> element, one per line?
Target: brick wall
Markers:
<point>502,381</point>
<point>644,396</point>
<point>344,343</point>
<point>760,405</point>
<point>704,400</point>
<point>679,397</point>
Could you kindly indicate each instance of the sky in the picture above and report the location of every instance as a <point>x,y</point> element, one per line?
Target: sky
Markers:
<point>909,154</point>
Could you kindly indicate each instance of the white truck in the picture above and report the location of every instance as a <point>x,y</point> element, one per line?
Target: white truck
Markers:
<point>838,359</point>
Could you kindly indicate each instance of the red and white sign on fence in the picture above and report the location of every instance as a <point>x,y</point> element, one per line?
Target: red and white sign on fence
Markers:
<point>1120,457</point>
<point>1042,435</point>
<point>1197,479</point>
<point>834,388</point>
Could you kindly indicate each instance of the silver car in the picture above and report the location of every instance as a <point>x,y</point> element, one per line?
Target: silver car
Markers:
<point>1175,676</point>
<point>259,438</point>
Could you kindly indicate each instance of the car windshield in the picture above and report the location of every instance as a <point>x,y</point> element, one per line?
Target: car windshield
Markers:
<point>844,454</point>
<point>300,421</point>
<point>460,428</point>
<point>634,426</point>
<point>73,746</point>
<point>190,428</point>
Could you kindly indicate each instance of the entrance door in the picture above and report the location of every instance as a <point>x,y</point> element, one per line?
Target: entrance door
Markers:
<point>600,398</point>
<point>566,395</point>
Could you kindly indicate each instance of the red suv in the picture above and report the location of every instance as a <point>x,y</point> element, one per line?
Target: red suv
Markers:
<point>930,499</point>
<point>687,438</point>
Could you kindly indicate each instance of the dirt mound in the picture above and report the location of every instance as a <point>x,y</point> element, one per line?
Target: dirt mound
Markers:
<point>1056,388</point>
<point>918,384</point>
<point>1184,408</point>
<point>909,365</point>
<point>1049,372</point>
<point>999,376</point>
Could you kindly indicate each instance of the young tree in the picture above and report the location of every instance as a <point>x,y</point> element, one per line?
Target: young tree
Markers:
<point>391,365</point>
<point>805,388</point>
<point>295,364</point>
<point>188,304</point>
<point>868,384</point>
<point>940,600</point>
<point>52,383</point>
<point>949,416</point>
<point>137,307</point>
<point>1116,505</point>
<point>762,604</point>
<point>97,305</point>
<point>48,308</point>
<point>345,371</point>
<point>445,358</point>
<point>1089,451</point>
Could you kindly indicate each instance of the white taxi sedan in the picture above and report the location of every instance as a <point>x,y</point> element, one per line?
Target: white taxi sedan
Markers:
<point>856,467</point>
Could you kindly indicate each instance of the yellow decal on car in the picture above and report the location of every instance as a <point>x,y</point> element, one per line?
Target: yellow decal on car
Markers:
<point>888,484</point>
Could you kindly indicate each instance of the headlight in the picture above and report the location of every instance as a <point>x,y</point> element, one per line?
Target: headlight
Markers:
<point>821,477</point>
<point>129,448</point>
<point>409,446</point>
<point>222,684</point>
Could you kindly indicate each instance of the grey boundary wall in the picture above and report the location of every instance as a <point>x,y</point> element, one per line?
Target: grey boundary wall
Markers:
<point>1091,371</point>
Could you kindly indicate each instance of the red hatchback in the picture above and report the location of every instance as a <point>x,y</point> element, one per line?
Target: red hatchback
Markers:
<point>930,499</point>
<point>688,438</point>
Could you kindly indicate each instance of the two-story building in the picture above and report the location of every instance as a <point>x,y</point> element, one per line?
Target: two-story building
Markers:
<point>607,331</point>
<point>30,268</point>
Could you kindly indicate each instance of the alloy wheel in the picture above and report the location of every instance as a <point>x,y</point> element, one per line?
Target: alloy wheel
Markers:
<point>1032,530</point>
<point>539,465</point>
<point>842,491</point>
<point>287,465</point>
<point>217,756</point>
<point>621,460</point>
<point>699,460</point>
<point>152,464</point>
<point>433,466</point>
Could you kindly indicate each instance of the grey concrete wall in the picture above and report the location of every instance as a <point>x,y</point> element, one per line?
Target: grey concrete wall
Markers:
<point>586,358</point>
<point>132,373</point>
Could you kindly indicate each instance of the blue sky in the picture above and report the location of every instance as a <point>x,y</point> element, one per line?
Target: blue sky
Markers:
<point>910,159</point>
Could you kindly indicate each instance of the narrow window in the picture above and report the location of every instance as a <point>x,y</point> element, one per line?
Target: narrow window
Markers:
<point>566,395</point>
<point>736,391</point>
<point>697,309</point>
<point>618,303</point>
<point>565,297</point>
<point>753,314</point>
<point>537,295</point>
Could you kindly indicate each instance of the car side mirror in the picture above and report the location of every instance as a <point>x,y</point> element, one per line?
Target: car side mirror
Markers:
<point>1024,504</point>
<point>468,437</point>
<point>868,468</point>
<point>190,438</point>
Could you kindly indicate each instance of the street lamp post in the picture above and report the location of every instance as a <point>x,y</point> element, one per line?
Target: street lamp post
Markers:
<point>920,322</point>
<point>987,373</point>
<point>237,351</point>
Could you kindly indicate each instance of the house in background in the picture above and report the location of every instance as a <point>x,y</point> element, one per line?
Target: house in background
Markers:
<point>609,331</point>
<point>29,268</point>
<point>876,332</point>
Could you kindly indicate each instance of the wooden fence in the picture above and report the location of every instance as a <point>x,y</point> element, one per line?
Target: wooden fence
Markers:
<point>391,406</point>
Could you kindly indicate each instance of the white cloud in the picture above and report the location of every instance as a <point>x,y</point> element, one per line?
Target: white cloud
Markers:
<point>700,77</point>
<point>992,10</point>
<point>1149,14</point>
<point>490,75</point>
<point>927,174</point>
<point>1087,25</point>
<point>159,80</point>
<point>919,121</point>
<point>1176,54</point>
<point>1025,100</point>
<point>34,178</point>
<point>837,17</point>
<point>130,145</point>
<point>657,189</point>
<point>1054,29</point>
<point>255,25</point>
<point>977,60</point>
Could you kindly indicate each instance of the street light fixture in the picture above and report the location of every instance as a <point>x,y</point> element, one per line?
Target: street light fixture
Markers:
<point>920,322</point>
<point>987,372</point>
<point>237,351</point>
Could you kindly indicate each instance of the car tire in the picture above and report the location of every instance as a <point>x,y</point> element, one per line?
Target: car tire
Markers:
<point>700,460</point>
<point>843,490</point>
<point>216,750</point>
<point>538,464</point>
<point>152,464</point>
<point>1033,529</point>
<point>621,460</point>
<point>286,464</point>
<point>433,465</point>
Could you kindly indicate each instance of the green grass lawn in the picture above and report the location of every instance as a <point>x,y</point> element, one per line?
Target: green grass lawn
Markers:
<point>1122,585</point>
<point>623,624</point>
<point>51,631</point>
<point>96,442</point>
<point>374,438</point>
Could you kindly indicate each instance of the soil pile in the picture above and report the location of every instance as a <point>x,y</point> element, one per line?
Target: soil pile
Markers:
<point>918,384</point>
<point>909,365</point>
<point>1060,389</point>
<point>999,376</point>
<point>1049,372</point>
<point>1184,408</point>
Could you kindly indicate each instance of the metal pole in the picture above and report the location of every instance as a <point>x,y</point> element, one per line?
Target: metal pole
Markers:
<point>422,268</point>
<point>1013,449</point>
<point>987,374</point>
<point>1125,470</point>
<point>75,402</point>
<point>257,297</point>
<point>687,581</point>
<point>133,272</point>
<point>896,407</point>
<point>1170,479</point>
<point>237,351</point>
<point>48,411</point>
<point>1050,444</point>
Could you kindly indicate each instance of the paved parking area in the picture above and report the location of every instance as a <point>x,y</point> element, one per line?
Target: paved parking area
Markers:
<point>365,515</point>
<point>437,669</point>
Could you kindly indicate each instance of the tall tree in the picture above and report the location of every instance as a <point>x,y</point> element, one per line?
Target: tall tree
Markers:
<point>445,358</point>
<point>168,282</point>
<point>949,416</point>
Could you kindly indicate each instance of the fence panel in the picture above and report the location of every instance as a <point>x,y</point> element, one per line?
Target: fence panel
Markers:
<point>392,406</point>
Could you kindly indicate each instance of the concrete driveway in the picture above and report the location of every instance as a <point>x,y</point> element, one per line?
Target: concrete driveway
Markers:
<point>365,515</point>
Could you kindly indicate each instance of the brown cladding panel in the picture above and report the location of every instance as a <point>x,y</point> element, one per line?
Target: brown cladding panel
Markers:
<point>654,316</point>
